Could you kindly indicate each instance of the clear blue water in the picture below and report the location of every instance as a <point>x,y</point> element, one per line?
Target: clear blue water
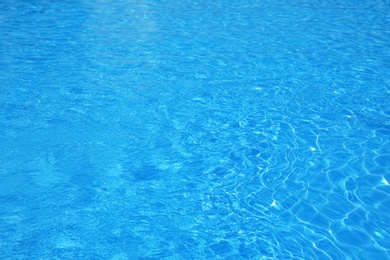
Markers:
<point>195,129</point>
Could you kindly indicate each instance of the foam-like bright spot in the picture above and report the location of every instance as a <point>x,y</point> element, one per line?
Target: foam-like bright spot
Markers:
<point>384,181</point>
<point>273,204</point>
<point>312,149</point>
<point>379,235</point>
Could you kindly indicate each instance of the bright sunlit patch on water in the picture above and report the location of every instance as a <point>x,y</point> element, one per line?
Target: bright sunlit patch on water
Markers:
<point>384,181</point>
<point>379,235</point>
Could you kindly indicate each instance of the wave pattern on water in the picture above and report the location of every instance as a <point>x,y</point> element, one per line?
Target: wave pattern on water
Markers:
<point>195,130</point>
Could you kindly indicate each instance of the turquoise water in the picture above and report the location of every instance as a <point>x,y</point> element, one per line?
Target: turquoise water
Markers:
<point>195,129</point>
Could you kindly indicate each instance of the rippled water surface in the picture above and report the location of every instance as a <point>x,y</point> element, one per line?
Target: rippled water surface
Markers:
<point>195,129</point>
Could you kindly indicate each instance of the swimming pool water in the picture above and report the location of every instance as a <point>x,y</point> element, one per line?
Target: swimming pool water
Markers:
<point>195,129</point>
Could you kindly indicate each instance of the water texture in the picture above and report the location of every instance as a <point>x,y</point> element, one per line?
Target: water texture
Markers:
<point>195,129</point>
